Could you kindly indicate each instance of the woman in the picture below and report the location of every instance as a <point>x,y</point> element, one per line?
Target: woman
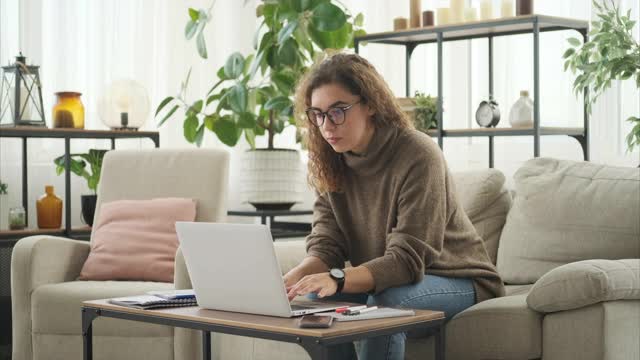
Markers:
<point>386,202</point>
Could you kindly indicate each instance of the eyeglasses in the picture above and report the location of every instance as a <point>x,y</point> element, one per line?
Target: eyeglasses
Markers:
<point>335,114</point>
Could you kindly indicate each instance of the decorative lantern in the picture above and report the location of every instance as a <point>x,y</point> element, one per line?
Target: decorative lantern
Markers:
<point>21,95</point>
<point>124,106</point>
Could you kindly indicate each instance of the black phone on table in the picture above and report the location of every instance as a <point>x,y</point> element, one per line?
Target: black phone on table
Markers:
<point>315,321</point>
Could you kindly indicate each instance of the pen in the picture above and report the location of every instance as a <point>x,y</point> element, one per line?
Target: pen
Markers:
<point>350,309</point>
<point>362,311</point>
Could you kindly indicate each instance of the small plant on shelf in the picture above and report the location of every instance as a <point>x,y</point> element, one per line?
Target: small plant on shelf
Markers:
<point>4,188</point>
<point>79,164</point>
<point>426,112</point>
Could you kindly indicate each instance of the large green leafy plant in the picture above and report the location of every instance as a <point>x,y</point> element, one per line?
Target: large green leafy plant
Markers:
<point>79,163</point>
<point>611,54</point>
<point>252,95</point>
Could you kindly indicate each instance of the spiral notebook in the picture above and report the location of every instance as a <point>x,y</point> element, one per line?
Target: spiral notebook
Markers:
<point>146,302</point>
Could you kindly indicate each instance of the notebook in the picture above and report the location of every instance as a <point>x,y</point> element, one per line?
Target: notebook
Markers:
<point>146,302</point>
<point>375,314</point>
<point>174,294</point>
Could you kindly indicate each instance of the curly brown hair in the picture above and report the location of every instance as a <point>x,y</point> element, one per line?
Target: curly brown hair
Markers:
<point>358,76</point>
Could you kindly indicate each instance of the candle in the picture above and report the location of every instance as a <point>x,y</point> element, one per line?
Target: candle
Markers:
<point>427,18</point>
<point>486,10</point>
<point>470,14</point>
<point>400,23</point>
<point>524,7</point>
<point>507,8</point>
<point>456,14</point>
<point>443,16</point>
<point>415,8</point>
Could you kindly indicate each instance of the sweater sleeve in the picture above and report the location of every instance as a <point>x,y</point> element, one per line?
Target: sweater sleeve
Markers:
<point>422,217</point>
<point>326,240</point>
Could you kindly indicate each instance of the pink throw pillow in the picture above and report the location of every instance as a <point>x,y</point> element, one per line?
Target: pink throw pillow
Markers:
<point>136,240</point>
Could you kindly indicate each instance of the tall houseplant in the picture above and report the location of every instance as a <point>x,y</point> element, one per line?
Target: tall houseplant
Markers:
<point>611,54</point>
<point>78,165</point>
<point>252,94</point>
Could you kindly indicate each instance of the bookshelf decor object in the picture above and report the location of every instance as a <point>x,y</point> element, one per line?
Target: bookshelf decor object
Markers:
<point>489,29</point>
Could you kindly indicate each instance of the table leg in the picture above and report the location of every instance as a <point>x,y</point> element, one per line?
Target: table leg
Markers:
<point>440,343</point>
<point>315,349</point>
<point>206,345</point>
<point>88,315</point>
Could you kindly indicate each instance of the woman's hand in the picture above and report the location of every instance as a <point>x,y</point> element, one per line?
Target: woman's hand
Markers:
<point>320,283</point>
<point>292,277</point>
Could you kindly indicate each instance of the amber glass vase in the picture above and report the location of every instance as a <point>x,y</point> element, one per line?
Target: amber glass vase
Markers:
<point>49,208</point>
<point>68,112</point>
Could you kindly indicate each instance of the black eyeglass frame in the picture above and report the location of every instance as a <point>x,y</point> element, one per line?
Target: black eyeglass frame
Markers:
<point>325,114</point>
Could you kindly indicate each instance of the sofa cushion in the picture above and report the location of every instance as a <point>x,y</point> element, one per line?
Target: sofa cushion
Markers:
<point>584,283</point>
<point>567,211</point>
<point>55,308</point>
<point>499,328</point>
<point>136,239</point>
<point>486,201</point>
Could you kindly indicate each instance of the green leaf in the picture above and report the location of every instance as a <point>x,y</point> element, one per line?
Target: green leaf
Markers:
<point>284,81</point>
<point>202,46</point>
<point>234,65</point>
<point>225,129</point>
<point>246,120</point>
<point>255,64</point>
<point>287,30</point>
<point>568,53</point>
<point>194,14</point>
<point>359,20</point>
<point>327,17</point>
<point>199,135</point>
<point>277,103</point>
<point>573,41</point>
<point>168,115</point>
<point>248,62</point>
<point>190,29</point>
<point>196,107</point>
<point>163,103</point>
<point>334,39</point>
<point>250,136</point>
<point>238,98</point>
<point>190,128</point>
<point>221,75</point>
<point>209,120</point>
<point>288,52</point>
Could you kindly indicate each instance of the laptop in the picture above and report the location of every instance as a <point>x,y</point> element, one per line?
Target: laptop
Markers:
<point>233,267</point>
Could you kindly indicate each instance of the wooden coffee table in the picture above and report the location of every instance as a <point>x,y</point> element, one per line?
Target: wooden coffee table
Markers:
<point>314,341</point>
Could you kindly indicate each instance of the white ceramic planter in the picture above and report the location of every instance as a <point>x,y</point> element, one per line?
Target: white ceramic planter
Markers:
<point>272,178</point>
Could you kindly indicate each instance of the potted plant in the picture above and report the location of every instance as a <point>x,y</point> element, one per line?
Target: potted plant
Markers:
<point>611,54</point>
<point>422,109</point>
<point>4,205</point>
<point>78,166</point>
<point>252,95</point>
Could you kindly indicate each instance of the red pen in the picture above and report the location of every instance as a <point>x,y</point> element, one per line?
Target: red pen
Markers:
<point>342,309</point>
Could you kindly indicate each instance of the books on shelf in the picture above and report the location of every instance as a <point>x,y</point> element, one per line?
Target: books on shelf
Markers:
<point>146,302</point>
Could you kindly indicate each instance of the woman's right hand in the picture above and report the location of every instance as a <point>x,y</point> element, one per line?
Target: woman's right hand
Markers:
<point>292,277</point>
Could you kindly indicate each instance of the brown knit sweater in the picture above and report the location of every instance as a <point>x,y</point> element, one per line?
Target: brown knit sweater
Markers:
<point>399,216</point>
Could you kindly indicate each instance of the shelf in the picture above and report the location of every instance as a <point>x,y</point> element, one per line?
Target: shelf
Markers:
<point>507,132</point>
<point>19,234</point>
<point>473,30</point>
<point>42,132</point>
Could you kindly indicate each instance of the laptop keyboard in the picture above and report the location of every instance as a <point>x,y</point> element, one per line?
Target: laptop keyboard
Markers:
<point>300,307</point>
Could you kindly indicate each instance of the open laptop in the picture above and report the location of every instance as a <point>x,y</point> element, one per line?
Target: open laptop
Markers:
<point>233,267</point>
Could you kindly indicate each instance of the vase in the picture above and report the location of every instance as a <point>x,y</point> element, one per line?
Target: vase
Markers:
<point>415,9</point>
<point>68,112</point>
<point>17,218</point>
<point>49,208</point>
<point>521,114</point>
<point>88,206</point>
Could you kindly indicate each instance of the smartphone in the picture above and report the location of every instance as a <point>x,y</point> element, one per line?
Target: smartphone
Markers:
<point>315,321</point>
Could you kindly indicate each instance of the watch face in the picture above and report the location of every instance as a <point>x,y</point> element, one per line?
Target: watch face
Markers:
<point>337,273</point>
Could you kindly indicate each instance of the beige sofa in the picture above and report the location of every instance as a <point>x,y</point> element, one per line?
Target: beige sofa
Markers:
<point>558,306</point>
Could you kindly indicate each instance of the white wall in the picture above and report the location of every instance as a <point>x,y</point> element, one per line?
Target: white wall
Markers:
<point>84,45</point>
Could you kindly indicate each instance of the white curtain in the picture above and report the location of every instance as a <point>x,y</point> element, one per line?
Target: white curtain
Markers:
<point>84,45</point>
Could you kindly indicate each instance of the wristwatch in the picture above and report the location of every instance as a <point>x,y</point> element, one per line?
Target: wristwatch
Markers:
<point>337,275</point>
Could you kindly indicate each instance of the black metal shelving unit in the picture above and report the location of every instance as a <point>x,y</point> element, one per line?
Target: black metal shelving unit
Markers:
<point>490,29</point>
<point>279,229</point>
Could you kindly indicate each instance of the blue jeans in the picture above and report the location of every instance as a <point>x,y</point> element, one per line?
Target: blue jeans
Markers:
<point>448,294</point>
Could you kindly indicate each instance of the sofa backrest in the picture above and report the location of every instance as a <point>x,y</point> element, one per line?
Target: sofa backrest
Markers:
<point>486,201</point>
<point>566,211</point>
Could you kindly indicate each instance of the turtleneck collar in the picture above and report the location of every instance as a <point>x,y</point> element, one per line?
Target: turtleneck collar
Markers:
<point>377,154</point>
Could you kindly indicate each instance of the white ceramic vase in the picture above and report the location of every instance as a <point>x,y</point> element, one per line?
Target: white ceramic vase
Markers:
<point>521,114</point>
<point>272,179</point>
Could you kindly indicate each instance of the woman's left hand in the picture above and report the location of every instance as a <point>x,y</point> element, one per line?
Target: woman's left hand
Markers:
<point>321,283</point>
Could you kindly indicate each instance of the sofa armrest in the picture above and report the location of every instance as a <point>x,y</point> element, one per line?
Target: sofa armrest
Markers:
<point>583,283</point>
<point>290,254</point>
<point>36,261</point>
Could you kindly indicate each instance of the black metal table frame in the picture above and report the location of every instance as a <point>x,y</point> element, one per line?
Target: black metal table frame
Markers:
<point>581,27</point>
<point>279,229</point>
<point>316,347</point>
